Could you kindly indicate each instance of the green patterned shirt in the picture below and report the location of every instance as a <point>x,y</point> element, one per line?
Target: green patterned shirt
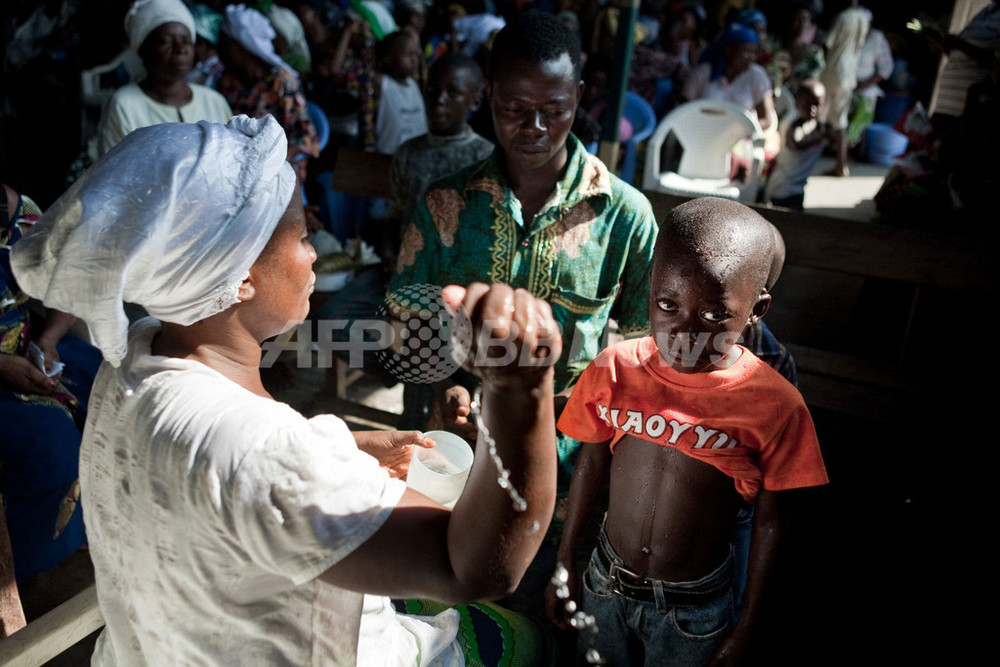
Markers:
<point>590,245</point>
<point>588,253</point>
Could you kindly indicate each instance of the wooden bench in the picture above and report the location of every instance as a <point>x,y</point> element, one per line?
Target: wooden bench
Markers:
<point>854,357</point>
<point>53,633</point>
<point>31,644</point>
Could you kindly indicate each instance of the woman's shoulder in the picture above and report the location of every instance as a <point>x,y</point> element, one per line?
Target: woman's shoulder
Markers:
<point>758,72</point>
<point>203,91</point>
<point>192,404</point>
<point>129,95</point>
<point>211,102</point>
<point>187,386</point>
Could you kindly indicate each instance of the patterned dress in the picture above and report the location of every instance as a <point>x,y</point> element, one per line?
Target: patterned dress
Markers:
<point>40,438</point>
<point>280,95</point>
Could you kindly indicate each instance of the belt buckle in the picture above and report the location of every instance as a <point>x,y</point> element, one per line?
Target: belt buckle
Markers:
<point>616,580</point>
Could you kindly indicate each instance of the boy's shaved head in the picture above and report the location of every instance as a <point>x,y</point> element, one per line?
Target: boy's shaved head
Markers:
<point>814,86</point>
<point>777,259</point>
<point>725,236</point>
<point>455,61</point>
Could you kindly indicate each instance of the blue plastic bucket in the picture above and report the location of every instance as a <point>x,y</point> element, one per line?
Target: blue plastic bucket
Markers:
<point>891,107</point>
<point>884,143</point>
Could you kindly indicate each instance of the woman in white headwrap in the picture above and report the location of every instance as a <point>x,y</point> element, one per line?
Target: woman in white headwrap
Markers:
<point>840,76</point>
<point>226,528</point>
<point>257,82</point>
<point>163,33</point>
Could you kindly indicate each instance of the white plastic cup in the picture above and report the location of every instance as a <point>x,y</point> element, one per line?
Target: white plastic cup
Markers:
<point>440,472</point>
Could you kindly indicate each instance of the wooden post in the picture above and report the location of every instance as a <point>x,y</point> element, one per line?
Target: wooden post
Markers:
<point>11,613</point>
<point>618,82</point>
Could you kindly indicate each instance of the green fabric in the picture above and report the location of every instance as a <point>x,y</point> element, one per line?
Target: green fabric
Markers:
<point>370,18</point>
<point>491,636</point>
<point>590,245</point>
<point>862,113</point>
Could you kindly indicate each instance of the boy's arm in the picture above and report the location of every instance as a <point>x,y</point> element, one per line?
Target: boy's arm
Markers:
<point>589,478</point>
<point>768,526</point>
<point>343,45</point>
<point>801,139</point>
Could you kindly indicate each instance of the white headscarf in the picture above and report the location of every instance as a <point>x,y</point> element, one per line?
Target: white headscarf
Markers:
<point>145,16</point>
<point>843,45</point>
<point>171,219</point>
<point>255,33</point>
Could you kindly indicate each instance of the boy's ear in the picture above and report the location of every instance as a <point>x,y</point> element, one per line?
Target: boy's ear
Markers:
<point>487,90</point>
<point>477,100</point>
<point>760,307</point>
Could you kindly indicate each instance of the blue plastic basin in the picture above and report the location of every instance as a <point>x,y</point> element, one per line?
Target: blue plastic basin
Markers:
<point>884,143</point>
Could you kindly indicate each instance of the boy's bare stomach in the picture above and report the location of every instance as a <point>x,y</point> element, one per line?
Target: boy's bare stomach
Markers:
<point>669,516</point>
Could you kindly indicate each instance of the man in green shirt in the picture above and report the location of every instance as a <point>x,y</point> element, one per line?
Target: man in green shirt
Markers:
<point>540,213</point>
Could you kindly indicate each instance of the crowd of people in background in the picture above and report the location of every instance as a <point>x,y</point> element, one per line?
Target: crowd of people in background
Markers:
<point>336,53</point>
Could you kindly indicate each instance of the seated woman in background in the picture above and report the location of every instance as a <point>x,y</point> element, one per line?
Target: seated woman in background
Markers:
<point>163,33</point>
<point>729,72</point>
<point>43,414</point>
<point>257,82</point>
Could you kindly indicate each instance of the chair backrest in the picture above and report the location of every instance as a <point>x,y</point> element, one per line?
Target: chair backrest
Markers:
<point>643,120</point>
<point>640,113</point>
<point>707,131</point>
<point>99,83</point>
<point>321,121</point>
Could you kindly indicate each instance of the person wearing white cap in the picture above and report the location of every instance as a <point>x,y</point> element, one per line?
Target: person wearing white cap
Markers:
<point>291,35</point>
<point>257,82</point>
<point>163,33</point>
<point>225,527</point>
<point>844,41</point>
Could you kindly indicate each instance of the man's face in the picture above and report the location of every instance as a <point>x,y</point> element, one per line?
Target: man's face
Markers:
<point>533,106</point>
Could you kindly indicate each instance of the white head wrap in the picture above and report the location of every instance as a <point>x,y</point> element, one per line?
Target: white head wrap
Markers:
<point>254,32</point>
<point>171,219</point>
<point>145,16</point>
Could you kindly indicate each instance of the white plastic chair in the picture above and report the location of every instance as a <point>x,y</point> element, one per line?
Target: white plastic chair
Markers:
<point>97,85</point>
<point>94,82</point>
<point>707,132</point>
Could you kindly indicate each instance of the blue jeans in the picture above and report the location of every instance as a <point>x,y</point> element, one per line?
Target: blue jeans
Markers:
<point>631,632</point>
<point>741,553</point>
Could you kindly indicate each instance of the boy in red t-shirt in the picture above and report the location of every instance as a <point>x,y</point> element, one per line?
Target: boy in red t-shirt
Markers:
<point>689,427</point>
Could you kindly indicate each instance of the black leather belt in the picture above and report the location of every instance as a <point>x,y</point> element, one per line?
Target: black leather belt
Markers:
<point>635,587</point>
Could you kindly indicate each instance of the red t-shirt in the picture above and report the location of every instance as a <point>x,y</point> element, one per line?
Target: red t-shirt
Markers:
<point>747,420</point>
